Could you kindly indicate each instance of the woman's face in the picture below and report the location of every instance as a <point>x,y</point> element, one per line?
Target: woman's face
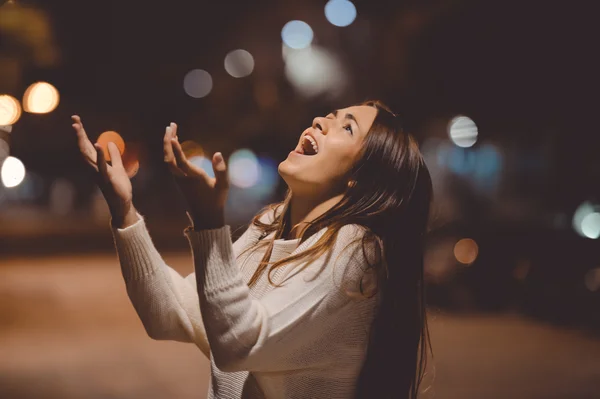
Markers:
<point>327,151</point>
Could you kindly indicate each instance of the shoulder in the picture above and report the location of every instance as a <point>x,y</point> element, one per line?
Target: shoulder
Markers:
<point>252,233</point>
<point>356,259</point>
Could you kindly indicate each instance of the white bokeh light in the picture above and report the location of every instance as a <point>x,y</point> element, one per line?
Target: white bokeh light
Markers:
<point>340,12</point>
<point>297,34</point>
<point>13,172</point>
<point>463,131</point>
<point>590,225</point>
<point>244,169</point>
<point>40,98</point>
<point>314,71</point>
<point>197,83</point>
<point>239,63</point>
<point>586,220</point>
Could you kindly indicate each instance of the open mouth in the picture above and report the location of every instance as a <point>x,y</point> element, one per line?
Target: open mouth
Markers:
<point>309,147</point>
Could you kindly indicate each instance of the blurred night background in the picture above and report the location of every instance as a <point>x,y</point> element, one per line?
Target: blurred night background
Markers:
<point>502,96</point>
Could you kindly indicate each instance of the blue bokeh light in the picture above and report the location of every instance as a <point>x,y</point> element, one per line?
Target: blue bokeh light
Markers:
<point>340,12</point>
<point>203,163</point>
<point>297,34</point>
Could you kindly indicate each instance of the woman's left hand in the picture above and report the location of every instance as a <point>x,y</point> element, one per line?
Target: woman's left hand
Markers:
<point>205,196</point>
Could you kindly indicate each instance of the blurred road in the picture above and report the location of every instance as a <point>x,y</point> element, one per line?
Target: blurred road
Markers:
<point>67,330</point>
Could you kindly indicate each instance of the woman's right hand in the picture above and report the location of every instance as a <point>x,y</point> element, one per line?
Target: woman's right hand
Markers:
<point>112,179</point>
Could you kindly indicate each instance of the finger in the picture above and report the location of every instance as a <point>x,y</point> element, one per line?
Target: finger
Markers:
<point>115,155</point>
<point>182,162</point>
<point>220,168</point>
<point>78,126</point>
<point>102,166</point>
<point>173,127</point>
<point>167,146</point>
<point>85,145</point>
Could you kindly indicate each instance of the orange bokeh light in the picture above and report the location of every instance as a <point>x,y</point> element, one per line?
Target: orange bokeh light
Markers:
<point>106,138</point>
<point>10,110</point>
<point>131,159</point>
<point>466,251</point>
<point>192,149</point>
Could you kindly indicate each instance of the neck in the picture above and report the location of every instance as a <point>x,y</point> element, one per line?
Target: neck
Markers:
<point>304,210</point>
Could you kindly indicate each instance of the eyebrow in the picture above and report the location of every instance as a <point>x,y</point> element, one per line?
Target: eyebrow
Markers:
<point>348,116</point>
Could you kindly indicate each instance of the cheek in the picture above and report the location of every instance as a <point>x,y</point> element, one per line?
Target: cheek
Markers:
<point>336,163</point>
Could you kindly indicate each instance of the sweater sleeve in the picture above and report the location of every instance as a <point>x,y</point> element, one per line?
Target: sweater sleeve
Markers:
<point>260,335</point>
<point>165,301</point>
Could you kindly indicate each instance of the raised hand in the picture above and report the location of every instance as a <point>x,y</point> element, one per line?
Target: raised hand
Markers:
<point>205,196</point>
<point>112,179</point>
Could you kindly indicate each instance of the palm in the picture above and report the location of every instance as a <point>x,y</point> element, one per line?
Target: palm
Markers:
<point>112,179</point>
<point>120,182</point>
<point>205,195</point>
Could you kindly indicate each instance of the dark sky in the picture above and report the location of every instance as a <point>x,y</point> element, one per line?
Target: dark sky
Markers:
<point>524,70</point>
<point>505,61</point>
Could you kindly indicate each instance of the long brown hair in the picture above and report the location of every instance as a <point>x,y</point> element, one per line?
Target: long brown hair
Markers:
<point>390,199</point>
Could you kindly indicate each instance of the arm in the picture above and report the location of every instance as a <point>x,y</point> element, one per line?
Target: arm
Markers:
<point>166,303</point>
<point>259,335</point>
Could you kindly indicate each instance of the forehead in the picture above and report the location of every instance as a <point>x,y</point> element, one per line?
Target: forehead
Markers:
<point>364,115</point>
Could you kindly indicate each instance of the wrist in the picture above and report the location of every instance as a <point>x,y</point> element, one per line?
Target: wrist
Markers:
<point>207,222</point>
<point>125,217</point>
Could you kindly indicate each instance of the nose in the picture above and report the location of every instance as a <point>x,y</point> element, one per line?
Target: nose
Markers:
<point>321,124</point>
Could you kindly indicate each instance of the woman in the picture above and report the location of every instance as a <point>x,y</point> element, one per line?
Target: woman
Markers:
<point>322,296</point>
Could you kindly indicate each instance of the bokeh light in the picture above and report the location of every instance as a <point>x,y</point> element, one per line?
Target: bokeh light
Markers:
<point>590,225</point>
<point>586,220</point>
<point>314,71</point>
<point>204,164</point>
<point>192,149</point>
<point>13,172</point>
<point>197,83</point>
<point>131,159</point>
<point>111,136</point>
<point>244,170</point>
<point>239,63</point>
<point>6,128</point>
<point>466,251</point>
<point>462,131</point>
<point>244,202</point>
<point>196,155</point>
<point>10,110</point>
<point>297,34</point>
<point>269,178</point>
<point>40,98</point>
<point>340,12</point>
<point>132,168</point>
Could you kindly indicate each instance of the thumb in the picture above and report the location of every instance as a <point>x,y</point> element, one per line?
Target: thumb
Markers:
<point>220,169</point>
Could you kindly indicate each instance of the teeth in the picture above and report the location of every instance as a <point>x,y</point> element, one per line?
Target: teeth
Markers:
<point>314,143</point>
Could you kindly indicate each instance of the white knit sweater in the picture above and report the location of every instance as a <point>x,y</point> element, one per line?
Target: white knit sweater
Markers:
<point>305,339</point>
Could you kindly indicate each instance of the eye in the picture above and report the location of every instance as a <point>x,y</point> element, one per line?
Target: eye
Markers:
<point>348,129</point>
